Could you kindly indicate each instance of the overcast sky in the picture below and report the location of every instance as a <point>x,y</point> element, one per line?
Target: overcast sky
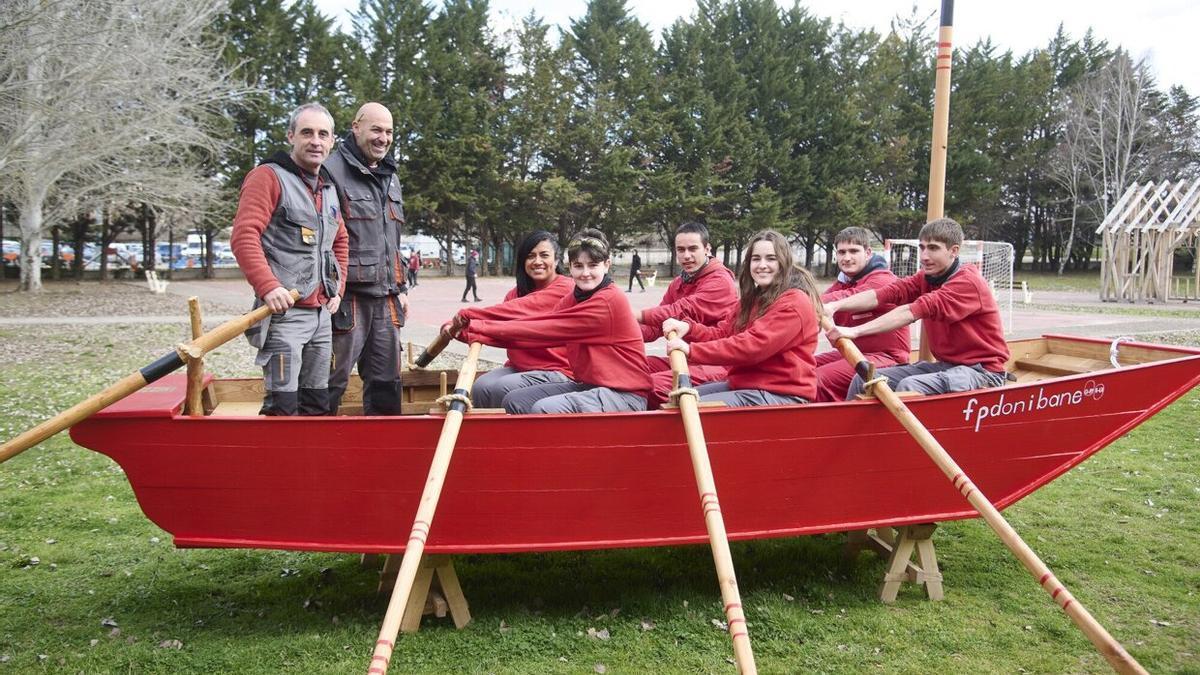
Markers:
<point>1164,31</point>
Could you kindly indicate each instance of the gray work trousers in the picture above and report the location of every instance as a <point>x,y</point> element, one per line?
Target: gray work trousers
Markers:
<point>491,387</point>
<point>571,397</point>
<point>295,361</point>
<point>928,378</point>
<point>371,342</point>
<point>720,391</point>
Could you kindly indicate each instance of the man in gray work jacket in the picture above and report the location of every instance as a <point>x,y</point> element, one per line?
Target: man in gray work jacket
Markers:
<point>287,234</point>
<point>366,328</point>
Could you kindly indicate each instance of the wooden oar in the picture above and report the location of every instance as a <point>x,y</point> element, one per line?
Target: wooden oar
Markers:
<point>439,343</point>
<point>707,487</point>
<point>1117,657</point>
<point>168,363</point>
<point>424,519</point>
<point>935,207</point>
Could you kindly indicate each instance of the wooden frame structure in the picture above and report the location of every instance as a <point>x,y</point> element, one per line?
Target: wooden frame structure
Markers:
<point>1141,234</point>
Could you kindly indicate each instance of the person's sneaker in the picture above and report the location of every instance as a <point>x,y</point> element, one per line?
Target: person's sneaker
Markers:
<point>478,299</point>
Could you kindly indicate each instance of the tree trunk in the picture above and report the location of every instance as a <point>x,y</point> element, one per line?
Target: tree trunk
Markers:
<point>1062,262</point>
<point>79,228</point>
<point>149,237</point>
<point>170,250</point>
<point>31,240</point>
<point>55,254</point>
<point>105,227</point>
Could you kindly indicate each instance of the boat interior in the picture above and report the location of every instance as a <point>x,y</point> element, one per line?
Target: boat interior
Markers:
<point>1032,359</point>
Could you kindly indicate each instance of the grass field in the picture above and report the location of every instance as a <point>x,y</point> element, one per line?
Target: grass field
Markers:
<point>87,584</point>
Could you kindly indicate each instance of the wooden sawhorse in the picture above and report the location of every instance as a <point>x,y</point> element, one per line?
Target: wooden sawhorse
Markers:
<point>899,545</point>
<point>435,590</point>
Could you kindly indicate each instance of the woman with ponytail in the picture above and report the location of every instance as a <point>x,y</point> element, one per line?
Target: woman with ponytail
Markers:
<point>768,339</point>
<point>594,325</point>
<point>539,289</point>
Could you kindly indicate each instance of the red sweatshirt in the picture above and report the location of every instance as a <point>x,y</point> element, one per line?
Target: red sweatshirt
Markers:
<point>705,299</point>
<point>259,197</point>
<point>600,337</point>
<point>774,352</point>
<point>894,344</point>
<point>962,320</point>
<point>531,306</point>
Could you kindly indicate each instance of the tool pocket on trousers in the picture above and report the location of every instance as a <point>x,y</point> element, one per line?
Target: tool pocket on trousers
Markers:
<point>277,369</point>
<point>256,335</point>
<point>396,310</point>
<point>343,318</point>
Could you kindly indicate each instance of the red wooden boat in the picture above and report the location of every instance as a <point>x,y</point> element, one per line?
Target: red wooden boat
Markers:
<point>538,483</point>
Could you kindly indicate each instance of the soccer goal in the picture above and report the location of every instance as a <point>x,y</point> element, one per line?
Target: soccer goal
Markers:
<point>994,259</point>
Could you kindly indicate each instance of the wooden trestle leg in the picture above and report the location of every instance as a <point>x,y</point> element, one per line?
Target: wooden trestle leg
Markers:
<point>899,545</point>
<point>435,590</point>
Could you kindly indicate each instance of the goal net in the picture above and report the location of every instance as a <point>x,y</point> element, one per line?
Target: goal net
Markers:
<point>994,259</point>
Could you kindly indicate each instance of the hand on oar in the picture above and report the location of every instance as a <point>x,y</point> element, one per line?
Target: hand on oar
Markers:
<point>1117,657</point>
<point>168,363</point>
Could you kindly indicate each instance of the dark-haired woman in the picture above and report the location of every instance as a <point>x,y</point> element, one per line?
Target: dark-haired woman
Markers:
<point>596,328</point>
<point>539,289</point>
<point>768,340</point>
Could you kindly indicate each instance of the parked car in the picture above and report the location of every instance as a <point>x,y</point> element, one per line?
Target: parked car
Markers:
<point>10,250</point>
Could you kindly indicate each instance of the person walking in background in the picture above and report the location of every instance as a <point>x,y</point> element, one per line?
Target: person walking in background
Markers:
<point>472,269</point>
<point>414,266</point>
<point>635,269</point>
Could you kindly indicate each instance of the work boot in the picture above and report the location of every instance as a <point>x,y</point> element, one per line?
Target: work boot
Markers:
<point>280,403</point>
<point>314,402</point>
<point>381,397</point>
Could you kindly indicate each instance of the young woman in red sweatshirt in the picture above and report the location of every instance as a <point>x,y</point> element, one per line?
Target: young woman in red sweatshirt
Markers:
<point>768,340</point>
<point>539,289</point>
<point>594,325</point>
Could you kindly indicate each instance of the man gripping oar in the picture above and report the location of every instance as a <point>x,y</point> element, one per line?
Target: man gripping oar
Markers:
<point>127,385</point>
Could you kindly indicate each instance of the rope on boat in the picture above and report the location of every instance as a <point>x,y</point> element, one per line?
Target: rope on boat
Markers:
<point>451,398</point>
<point>673,397</point>
<point>870,384</point>
<point>1114,347</point>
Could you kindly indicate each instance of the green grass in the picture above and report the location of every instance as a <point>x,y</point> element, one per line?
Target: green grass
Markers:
<point>1120,530</point>
<point>1088,281</point>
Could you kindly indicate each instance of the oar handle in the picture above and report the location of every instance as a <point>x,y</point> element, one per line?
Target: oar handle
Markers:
<point>426,508</point>
<point>439,343</point>
<point>678,361</point>
<point>1109,648</point>
<point>165,364</point>
<point>714,521</point>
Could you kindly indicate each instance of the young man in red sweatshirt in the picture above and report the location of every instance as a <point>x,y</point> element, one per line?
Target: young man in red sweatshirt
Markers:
<point>962,320</point>
<point>859,270</point>
<point>702,293</point>
<point>288,234</point>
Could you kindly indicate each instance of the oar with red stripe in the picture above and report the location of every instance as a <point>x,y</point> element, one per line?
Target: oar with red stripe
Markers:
<point>424,518</point>
<point>1117,657</point>
<point>711,507</point>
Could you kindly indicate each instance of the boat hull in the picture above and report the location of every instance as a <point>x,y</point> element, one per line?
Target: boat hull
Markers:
<point>544,483</point>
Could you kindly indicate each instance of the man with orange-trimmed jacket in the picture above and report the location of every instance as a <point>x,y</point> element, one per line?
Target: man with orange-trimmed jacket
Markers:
<point>366,329</point>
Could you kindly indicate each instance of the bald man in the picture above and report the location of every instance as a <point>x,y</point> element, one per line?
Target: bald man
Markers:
<point>366,327</point>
